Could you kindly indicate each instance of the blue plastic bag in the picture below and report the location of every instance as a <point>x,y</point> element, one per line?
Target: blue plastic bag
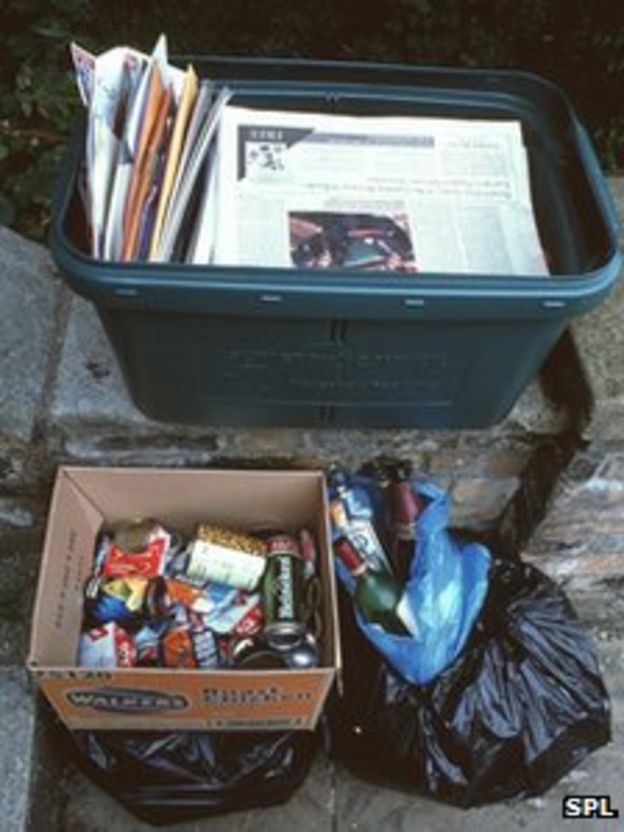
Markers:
<point>445,590</point>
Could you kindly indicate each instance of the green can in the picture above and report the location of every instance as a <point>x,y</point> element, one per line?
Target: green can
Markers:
<point>282,593</point>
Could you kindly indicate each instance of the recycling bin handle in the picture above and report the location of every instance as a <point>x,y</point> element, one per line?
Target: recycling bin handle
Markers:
<point>598,180</point>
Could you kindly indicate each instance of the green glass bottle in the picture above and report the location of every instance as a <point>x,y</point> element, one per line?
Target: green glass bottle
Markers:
<point>378,597</point>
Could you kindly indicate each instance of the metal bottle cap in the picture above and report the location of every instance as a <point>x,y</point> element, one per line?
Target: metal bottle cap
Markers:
<point>250,652</point>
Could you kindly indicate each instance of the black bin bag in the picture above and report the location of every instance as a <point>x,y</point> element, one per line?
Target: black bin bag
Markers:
<point>521,705</point>
<point>174,776</point>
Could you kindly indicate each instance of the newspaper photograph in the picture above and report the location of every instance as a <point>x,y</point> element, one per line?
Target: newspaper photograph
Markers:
<point>336,239</point>
<point>401,194</point>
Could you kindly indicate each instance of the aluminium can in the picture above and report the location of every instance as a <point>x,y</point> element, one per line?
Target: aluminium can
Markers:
<point>253,653</point>
<point>282,593</point>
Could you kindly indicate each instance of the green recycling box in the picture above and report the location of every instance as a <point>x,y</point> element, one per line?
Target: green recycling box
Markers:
<point>267,346</point>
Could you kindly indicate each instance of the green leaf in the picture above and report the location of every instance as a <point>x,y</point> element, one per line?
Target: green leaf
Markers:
<point>4,151</point>
<point>52,32</point>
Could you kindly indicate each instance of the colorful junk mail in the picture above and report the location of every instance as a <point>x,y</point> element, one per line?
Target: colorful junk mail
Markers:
<point>150,130</point>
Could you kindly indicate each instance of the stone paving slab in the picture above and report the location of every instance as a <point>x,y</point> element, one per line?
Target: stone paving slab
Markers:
<point>20,544</point>
<point>17,726</point>
<point>13,643</point>
<point>29,294</point>
<point>19,566</point>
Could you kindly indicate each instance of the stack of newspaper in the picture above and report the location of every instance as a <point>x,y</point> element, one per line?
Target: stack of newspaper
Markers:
<point>175,171</point>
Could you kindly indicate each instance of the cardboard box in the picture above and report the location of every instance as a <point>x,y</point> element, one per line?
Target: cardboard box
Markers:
<point>85,499</point>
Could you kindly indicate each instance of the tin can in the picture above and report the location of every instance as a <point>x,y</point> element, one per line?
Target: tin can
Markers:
<point>134,536</point>
<point>304,655</point>
<point>211,560</point>
<point>253,653</point>
<point>156,602</point>
<point>252,544</point>
<point>312,607</point>
<point>308,552</point>
<point>282,590</point>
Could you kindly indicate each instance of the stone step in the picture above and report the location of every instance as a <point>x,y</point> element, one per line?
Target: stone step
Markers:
<point>20,548</point>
